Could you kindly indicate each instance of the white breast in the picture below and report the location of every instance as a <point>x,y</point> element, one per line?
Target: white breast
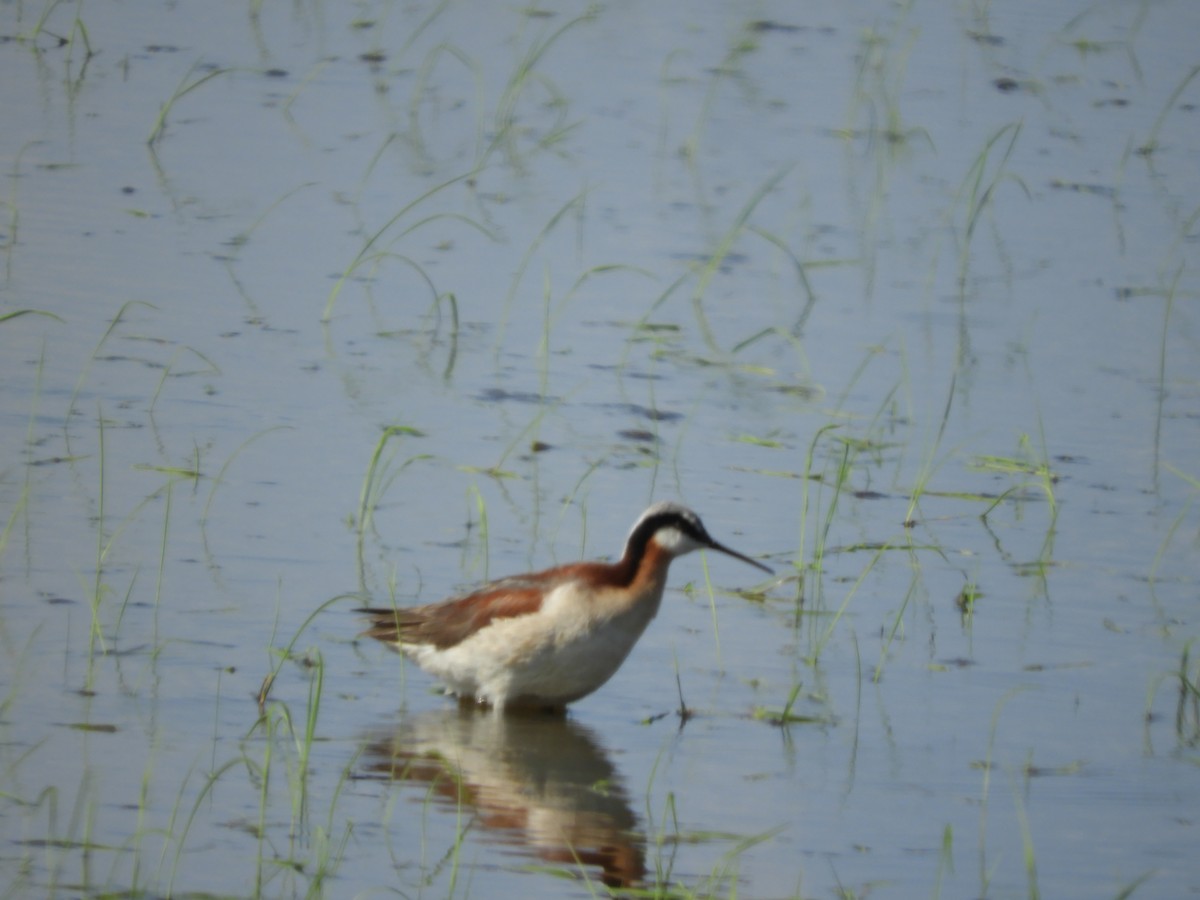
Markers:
<point>564,651</point>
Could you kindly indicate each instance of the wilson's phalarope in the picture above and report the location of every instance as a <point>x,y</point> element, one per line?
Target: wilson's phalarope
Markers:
<point>546,639</point>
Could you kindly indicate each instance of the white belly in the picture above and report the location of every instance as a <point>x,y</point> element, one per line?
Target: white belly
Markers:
<point>564,651</point>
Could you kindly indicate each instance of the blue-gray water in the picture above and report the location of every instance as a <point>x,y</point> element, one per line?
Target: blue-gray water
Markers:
<point>665,246</point>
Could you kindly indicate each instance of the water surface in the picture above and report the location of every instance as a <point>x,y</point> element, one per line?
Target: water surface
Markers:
<point>902,300</point>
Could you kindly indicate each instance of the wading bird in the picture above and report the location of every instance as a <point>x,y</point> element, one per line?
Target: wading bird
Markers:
<point>545,639</point>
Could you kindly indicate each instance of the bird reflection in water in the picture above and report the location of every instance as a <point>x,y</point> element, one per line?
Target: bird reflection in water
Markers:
<point>541,783</point>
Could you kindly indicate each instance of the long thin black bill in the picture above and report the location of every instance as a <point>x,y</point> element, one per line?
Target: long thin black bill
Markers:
<point>754,562</point>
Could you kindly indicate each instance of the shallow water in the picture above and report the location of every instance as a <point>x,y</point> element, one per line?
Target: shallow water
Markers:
<point>579,260</point>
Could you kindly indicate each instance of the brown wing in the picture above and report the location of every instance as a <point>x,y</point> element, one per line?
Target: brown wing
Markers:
<point>450,622</point>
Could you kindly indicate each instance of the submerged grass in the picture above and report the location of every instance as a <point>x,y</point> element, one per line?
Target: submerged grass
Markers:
<point>504,124</point>
<point>1033,467</point>
<point>218,481</point>
<point>374,250</point>
<point>576,205</point>
<point>977,192</point>
<point>716,258</point>
<point>1151,144</point>
<point>1187,709</point>
<point>20,509</point>
<point>96,596</point>
<point>76,36</point>
<point>381,474</point>
<point>84,374</point>
<point>13,205</point>
<point>810,562</point>
<point>186,85</point>
<point>665,838</point>
<point>1169,536</point>
<point>1168,306</point>
<point>278,761</point>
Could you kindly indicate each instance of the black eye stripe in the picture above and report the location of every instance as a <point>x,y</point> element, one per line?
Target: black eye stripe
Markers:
<point>647,527</point>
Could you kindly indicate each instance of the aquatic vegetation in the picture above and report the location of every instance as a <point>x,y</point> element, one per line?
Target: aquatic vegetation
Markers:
<point>365,304</point>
